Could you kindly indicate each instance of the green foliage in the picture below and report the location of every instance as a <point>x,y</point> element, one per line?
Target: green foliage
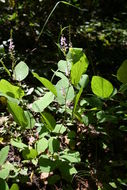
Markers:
<point>10,90</point>
<point>47,131</point>
<point>21,71</point>
<point>46,83</point>
<point>40,104</point>
<point>18,114</point>
<point>101,87</point>
<point>122,73</point>
<point>3,154</point>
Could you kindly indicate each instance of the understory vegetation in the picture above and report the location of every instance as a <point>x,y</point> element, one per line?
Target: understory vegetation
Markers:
<point>63,95</point>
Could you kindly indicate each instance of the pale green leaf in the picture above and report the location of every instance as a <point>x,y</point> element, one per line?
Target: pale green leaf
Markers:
<point>43,102</point>
<point>21,71</point>
<point>42,145</point>
<point>3,154</point>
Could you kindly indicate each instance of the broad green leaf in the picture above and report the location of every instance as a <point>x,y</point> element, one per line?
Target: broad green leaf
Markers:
<point>18,114</point>
<point>59,129</point>
<point>65,91</point>
<point>43,102</point>
<point>46,83</point>
<point>3,185</point>
<point>42,145</point>
<point>101,87</point>
<point>46,165</point>
<point>29,153</point>
<point>71,156</point>
<point>18,144</point>
<point>10,90</point>
<point>122,72</point>
<point>79,64</point>
<point>30,120</point>
<point>54,145</point>
<point>48,120</point>
<point>64,66</point>
<point>4,173</point>
<point>3,154</point>
<point>21,71</point>
<point>14,186</point>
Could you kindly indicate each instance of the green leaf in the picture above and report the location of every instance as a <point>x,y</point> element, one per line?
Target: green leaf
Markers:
<point>3,185</point>
<point>11,90</point>
<point>83,81</point>
<point>48,120</point>
<point>46,83</point>
<point>59,129</point>
<point>76,100</point>
<point>3,154</point>
<point>18,114</point>
<point>54,145</point>
<point>79,64</point>
<point>42,145</point>
<point>71,156</point>
<point>4,173</point>
<point>18,144</point>
<point>21,71</point>
<point>64,66</point>
<point>29,153</point>
<point>43,102</point>
<point>14,186</point>
<point>66,170</point>
<point>30,120</point>
<point>122,72</point>
<point>101,87</point>
<point>46,165</point>
<point>65,91</point>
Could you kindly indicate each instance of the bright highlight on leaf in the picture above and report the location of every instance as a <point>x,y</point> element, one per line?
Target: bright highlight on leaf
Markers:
<point>101,87</point>
<point>79,64</point>
<point>10,90</point>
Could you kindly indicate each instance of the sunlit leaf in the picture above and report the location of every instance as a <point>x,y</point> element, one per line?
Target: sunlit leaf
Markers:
<point>42,145</point>
<point>43,102</point>
<point>46,83</point>
<point>79,64</point>
<point>29,153</point>
<point>18,114</point>
<point>11,90</point>
<point>21,71</point>
<point>101,87</point>
<point>3,154</point>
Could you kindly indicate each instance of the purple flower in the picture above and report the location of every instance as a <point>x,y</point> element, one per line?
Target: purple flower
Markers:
<point>11,46</point>
<point>63,43</point>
